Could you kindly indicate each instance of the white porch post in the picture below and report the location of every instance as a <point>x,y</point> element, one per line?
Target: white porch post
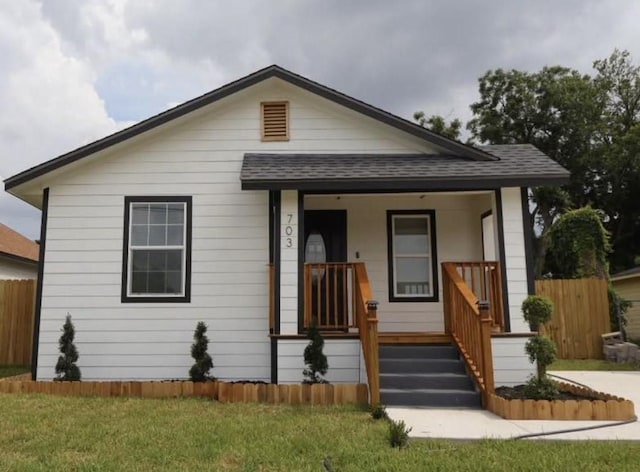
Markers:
<point>289,262</point>
<point>515,260</point>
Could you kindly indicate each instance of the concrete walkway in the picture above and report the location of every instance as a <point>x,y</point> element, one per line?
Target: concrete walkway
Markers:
<point>478,424</point>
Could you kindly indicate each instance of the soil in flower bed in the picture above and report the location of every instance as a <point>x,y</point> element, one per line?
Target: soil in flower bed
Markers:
<point>518,393</point>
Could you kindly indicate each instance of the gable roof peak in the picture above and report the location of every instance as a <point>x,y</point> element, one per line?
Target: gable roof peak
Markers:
<point>448,145</point>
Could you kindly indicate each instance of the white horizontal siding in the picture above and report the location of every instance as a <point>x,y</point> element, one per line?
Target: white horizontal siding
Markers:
<point>343,357</point>
<point>515,261</point>
<point>458,233</point>
<point>511,365</point>
<point>14,270</point>
<point>198,155</point>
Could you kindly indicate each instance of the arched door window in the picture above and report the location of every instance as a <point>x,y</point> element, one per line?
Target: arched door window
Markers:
<point>315,252</point>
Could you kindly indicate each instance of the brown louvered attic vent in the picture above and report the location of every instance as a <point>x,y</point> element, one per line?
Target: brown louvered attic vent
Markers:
<point>275,121</point>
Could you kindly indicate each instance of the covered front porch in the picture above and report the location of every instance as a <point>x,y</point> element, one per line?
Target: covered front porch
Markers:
<point>392,269</point>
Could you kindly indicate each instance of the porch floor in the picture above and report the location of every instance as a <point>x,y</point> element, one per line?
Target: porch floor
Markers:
<point>427,337</point>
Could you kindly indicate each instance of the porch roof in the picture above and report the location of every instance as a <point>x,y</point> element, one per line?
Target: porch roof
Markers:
<point>519,165</point>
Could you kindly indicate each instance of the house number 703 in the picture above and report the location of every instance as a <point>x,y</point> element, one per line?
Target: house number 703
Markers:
<point>288,231</point>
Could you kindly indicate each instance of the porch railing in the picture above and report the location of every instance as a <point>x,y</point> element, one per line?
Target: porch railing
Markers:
<point>337,296</point>
<point>470,327</point>
<point>329,295</point>
<point>485,281</point>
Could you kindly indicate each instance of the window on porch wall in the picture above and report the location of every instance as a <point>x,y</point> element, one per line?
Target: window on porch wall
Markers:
<point>412,264</point>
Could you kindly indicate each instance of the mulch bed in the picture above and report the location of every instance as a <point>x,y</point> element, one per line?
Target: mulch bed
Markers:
<point>518,393</point>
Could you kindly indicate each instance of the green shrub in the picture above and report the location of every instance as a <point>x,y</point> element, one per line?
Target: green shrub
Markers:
<point>542,350</point>
<point>314,358</point>
<point>378,412</point>
<point>199,371</point>
<point>398,434</point>
<point>616,302</point>
<point>541,389</point>
<point>66,368</point>
<point>537,310</point>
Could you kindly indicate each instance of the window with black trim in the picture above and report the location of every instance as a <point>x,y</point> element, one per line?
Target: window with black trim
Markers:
<point>157,249</point>
<point>413,264</point>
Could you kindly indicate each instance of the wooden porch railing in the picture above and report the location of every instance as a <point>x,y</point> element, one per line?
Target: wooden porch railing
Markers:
<point>485,281</point>
<point>367,321</point>
<point>337,296</point>
<point>470,327</point>
<point>329,295</point>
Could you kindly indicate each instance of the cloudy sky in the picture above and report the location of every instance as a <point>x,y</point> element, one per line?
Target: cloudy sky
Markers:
<point>74,71</point>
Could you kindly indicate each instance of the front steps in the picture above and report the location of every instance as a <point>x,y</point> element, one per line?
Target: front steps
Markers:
<point>425,375</point>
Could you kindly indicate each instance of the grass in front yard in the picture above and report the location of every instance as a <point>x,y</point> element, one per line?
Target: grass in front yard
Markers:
<point>11,370</point>
<point>592,364</point>
<point>39,432</point>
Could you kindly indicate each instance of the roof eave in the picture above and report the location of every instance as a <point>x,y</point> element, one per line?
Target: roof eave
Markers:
<point>442,184</point>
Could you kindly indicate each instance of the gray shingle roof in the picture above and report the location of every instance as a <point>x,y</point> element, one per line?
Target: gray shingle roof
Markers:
<point>518,165</point>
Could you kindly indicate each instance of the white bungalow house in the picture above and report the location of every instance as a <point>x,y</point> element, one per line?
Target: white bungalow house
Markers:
<point>274,201</point>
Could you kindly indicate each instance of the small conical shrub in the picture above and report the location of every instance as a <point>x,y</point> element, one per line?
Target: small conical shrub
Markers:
<point>199,371</point>
<point>66,368</point>
<point>314,358</point>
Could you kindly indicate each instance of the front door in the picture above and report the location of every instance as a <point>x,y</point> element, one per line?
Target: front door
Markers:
<point>325,236</point>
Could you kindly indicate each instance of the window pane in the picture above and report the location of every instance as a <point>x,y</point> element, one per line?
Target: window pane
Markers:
<point>157,235</point>
<point>139,213</point>
<point>140,260</point>
<point>139,282</point>
<point>174,282</point>
<point>413,276</point>
<point>156,282</point>
<point>158,213</point>
<point>411,236</point>
<point>174,260</point>
<point>175,213</point>
<point>139,235</point>
<point>157,260</point>
<point>174,235</point>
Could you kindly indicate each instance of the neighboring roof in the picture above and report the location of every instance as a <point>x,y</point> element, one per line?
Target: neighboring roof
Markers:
<point>627,274</point>
<point>16,246</point>
<point>518,165</point>
<point>453,146</point>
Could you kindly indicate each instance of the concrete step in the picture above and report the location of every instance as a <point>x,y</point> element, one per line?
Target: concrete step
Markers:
<point>413,351</point>
<point>438,380</point>
<point>442,398</point>
<point>417,366</point>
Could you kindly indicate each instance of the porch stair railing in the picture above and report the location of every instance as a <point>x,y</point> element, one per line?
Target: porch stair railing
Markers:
<point>338,297</point>
<point>470,325</point>
<point>485,281</point>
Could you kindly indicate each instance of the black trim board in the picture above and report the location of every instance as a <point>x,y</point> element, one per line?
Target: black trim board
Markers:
<point>403,185</point>
<point>482,217</point>
<point>124,296</point>
<point>274,360</point>
<point>275,212</point>
<point>39,285</point>
<point>503,265</point>
<point>234,87</point>
<point>434,255</point>
<point>528,241</point>
<point>301,262</point>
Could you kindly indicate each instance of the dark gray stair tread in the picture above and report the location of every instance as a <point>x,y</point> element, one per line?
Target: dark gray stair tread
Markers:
<point>430,397</point>
<point>438,380</point>
<point>418,351</point>
<point>401,365</point>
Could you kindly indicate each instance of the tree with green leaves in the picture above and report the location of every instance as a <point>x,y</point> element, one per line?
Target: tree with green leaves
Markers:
<point>199,371</point>
<point>438,124</point>
<point>314,358</point>
<point>66,368</point>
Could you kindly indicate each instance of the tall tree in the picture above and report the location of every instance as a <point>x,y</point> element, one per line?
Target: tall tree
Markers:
<point>587,124</point>
<point>438,124</point>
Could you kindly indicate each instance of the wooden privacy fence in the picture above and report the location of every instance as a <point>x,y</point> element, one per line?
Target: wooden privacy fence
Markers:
<point>580,316</point>
<point>226,392</point>
<point>17,301</point>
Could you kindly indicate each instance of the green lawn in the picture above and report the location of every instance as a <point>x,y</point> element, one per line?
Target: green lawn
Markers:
<point>11,370</point>
<point>39,432</point>
<point>591,364</point>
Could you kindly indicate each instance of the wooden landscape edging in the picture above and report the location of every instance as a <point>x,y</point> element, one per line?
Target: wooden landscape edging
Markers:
<point>225,392</point>
<point>605,407</point>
